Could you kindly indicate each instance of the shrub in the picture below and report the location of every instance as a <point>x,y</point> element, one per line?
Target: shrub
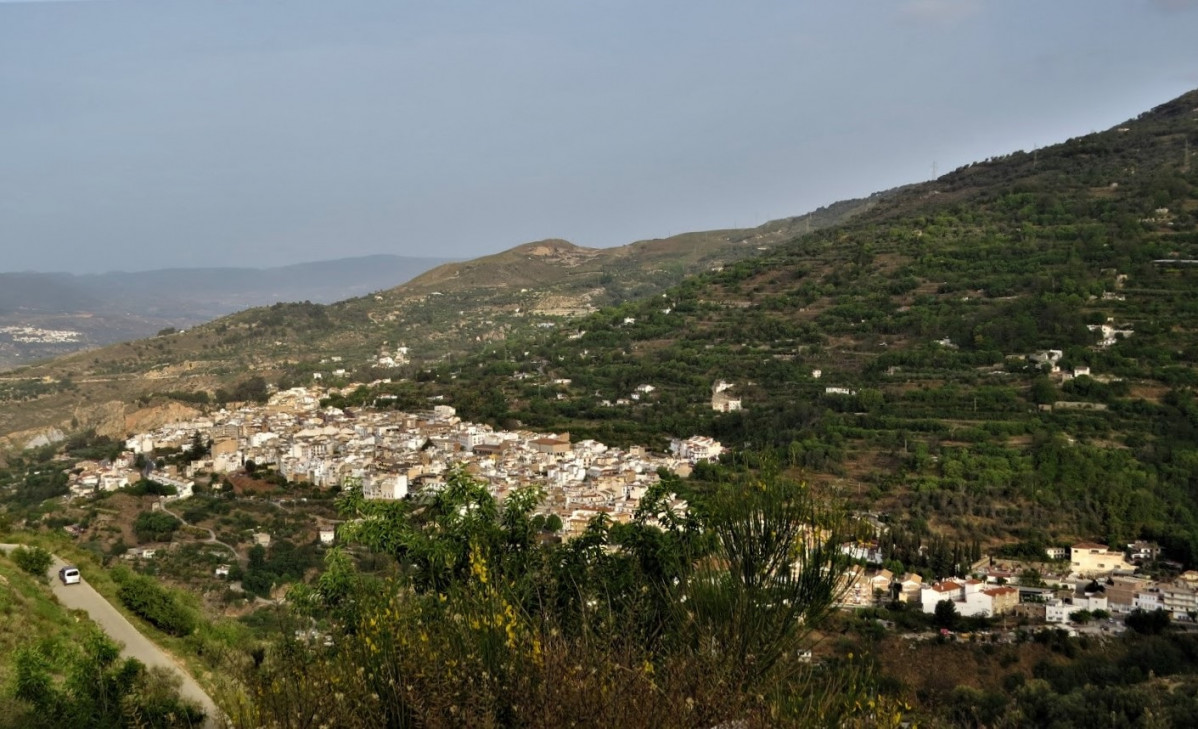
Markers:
<point>155,526</point>
<point>1148,623</point>
<point>700,621</point>
<point>155,604</point>
<point>34,560</point>
<point>98,688</point>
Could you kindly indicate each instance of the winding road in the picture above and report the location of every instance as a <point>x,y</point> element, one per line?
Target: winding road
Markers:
<point>134,644</point>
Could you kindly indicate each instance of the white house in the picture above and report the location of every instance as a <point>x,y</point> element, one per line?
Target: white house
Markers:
<point>1180,599</point>
<point>722,402</point>
<point>910,587</point>
<point>969,597</point>
<point>932,595</point>
<point>1057,611</point>
<point>183,489</point>
<point>697,448</point>
<point>391,487</point>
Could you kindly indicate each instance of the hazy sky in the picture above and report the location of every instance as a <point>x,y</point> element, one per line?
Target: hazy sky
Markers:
<point>137,135</point>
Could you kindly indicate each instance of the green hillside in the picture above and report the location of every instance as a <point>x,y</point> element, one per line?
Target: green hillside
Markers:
<point>446,312</point>
<point>926,309</point>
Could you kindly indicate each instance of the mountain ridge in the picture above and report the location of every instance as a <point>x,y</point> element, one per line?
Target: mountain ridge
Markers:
<point>1002,351</point>
<point>287,339</point>
<point>120,305</point>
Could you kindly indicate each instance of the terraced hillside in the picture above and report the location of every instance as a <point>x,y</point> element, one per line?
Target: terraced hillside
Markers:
<point>446,312</point>
<point>1007,351</point>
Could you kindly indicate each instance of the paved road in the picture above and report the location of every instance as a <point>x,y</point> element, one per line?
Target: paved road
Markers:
<point>135,645</point>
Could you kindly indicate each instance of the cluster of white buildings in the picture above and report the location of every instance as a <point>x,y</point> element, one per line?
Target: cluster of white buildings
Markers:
<point>389,453</point>
<point>1178,597</point>
<point>1110,333</point>
<point>35,335</point>
<point>696,448</point>
<point>723,401</point>
<point>91,476</point>
<point>970,597</point>
<point>391,359</point>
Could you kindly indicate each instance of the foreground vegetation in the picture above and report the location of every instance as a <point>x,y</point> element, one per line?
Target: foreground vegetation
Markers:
<point>488,623</point>
<point>1048,679</point>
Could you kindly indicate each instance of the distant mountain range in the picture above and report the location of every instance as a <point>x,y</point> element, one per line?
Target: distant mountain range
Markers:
<point>50,314</point>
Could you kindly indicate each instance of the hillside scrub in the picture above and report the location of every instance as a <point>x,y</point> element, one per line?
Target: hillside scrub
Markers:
<point>671,620</point>
<point>57,670</point>
<point>155,526</point>
<point>34,560</point>
<point>154,603</point>
<point>98,689</point>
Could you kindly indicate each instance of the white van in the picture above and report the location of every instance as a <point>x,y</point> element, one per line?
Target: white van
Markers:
<point>69,575</point>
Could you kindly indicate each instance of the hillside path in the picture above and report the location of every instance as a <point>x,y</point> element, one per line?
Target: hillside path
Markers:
<point>134,644</point>
<point>211,534</point>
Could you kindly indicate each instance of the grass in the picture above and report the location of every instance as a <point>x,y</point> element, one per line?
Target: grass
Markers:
<point>29,613</point>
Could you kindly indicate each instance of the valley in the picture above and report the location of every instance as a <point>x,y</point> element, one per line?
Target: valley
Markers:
<point>955,419</point>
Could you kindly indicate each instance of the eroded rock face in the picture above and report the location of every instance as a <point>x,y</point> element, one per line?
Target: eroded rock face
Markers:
<point>106,418</point>
<point>32,438</point>
<point>45,437</point>
<point>155,416</point>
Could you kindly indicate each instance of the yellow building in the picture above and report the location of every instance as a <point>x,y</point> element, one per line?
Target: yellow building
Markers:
<point>1089,559</point>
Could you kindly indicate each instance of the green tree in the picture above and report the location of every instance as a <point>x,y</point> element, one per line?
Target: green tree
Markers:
<point>946,615</point>
<point>155,603</point>
<point>99,690</point>
<point>1043,392</point>
<point>1147,622</point>
<point>34,560</point>
<point>199,447</point>
<point>1030,577</point>
<point>155,526</point>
